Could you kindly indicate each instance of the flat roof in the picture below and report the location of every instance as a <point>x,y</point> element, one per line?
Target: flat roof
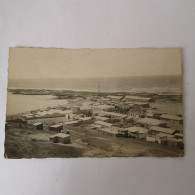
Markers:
<point>71,122</point>
<point>113,114</point>
<point>150,121</point>
<point>136,129</point>
<point>103,123</point>
<point>163,130</point>
<point>36,124</point>
<point>112,130</point>
<point>171,117</point>
<point>55,126</point>
<point>61,135</point>
<point>86,118</point>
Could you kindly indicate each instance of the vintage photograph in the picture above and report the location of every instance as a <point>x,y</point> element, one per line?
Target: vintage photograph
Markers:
<point>69,103</point>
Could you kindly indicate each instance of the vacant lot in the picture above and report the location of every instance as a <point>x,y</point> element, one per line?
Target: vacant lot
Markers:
<point>26,143</point>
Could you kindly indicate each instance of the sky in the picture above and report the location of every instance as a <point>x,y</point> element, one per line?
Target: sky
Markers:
<point>40,63</point>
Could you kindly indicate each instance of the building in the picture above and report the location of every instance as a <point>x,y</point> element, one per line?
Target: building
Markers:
<point>103,124</point>
<point>157,130</point>
<point>137,132</point>
<point>71,123</point>
<point>141,104</point>
<point>38,126</point>
<point>136,112</point>
<point>68,114</point>
<point>85,120</point>
<point>148,122</point>
<point>104,107</point>
<point>57,128</point>
<point>87,111</point>
<point>175,143</point>
<point>60,138</point>
<point>18,123</point>
<point>138,99</point>
<point>109,131</point>
<point>113,115</point>
<point>172,118</point>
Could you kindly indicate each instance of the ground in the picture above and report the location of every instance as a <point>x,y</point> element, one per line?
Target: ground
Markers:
<point>84,143</point>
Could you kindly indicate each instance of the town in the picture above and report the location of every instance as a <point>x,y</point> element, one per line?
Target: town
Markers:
<point>90,121</point>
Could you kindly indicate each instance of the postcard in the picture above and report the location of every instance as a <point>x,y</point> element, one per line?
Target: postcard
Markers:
<point>70,103</point>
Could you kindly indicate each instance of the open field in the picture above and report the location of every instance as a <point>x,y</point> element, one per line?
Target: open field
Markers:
<point>27,143</point>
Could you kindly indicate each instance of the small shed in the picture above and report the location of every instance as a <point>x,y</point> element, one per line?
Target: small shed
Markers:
<point>38,126</point>
<point>60,138</point>
<point>57,128</point>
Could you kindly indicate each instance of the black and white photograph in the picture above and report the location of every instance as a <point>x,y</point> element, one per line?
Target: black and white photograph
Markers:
<point>70,103</point>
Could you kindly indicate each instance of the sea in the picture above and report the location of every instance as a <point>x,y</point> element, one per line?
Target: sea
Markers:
<point>17,103</point>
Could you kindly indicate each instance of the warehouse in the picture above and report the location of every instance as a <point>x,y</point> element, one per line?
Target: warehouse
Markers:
<point>103,124</point>
<point>57,128</point>
<point>60,138</point>
<point>137,132</point>
<point>113,115</point>
<point>148,122</point>
<point>113,131</point>
<point>71,123</point>
<point>172,118</point>
<point>38,126</point>
<point>157,130</point>
<point>138,99</point>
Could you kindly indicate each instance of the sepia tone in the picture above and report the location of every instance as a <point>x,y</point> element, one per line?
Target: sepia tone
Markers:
<point>94,103</point>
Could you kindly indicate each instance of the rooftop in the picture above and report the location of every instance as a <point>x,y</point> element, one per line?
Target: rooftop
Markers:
<point>112,130</point>
<point>37,123</point>
<point>136,129</point>
<point>172,117</point>
<point>55,126</point>
<point>61,135</point>
<point>163,130</point>
<point>150,121</point>
<point>103,123</point>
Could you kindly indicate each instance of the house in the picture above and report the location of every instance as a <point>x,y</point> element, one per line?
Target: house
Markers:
<point>148,122</point>
<point>138,99</point>
<point>113,115</point>
<point>38,126</point>
<point>71,123</point>
<point>103,124</point>
<point>172,118</point>
<point>57,128</point>
<point>156,130</point>
<point>109,131</point>
<point>60,138</point>
<point>85,120</point>
<point>138,132</point>
<point>68,114</point>
<point>18,123</point>
<point>175,142</point>
<point>103,107</point>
